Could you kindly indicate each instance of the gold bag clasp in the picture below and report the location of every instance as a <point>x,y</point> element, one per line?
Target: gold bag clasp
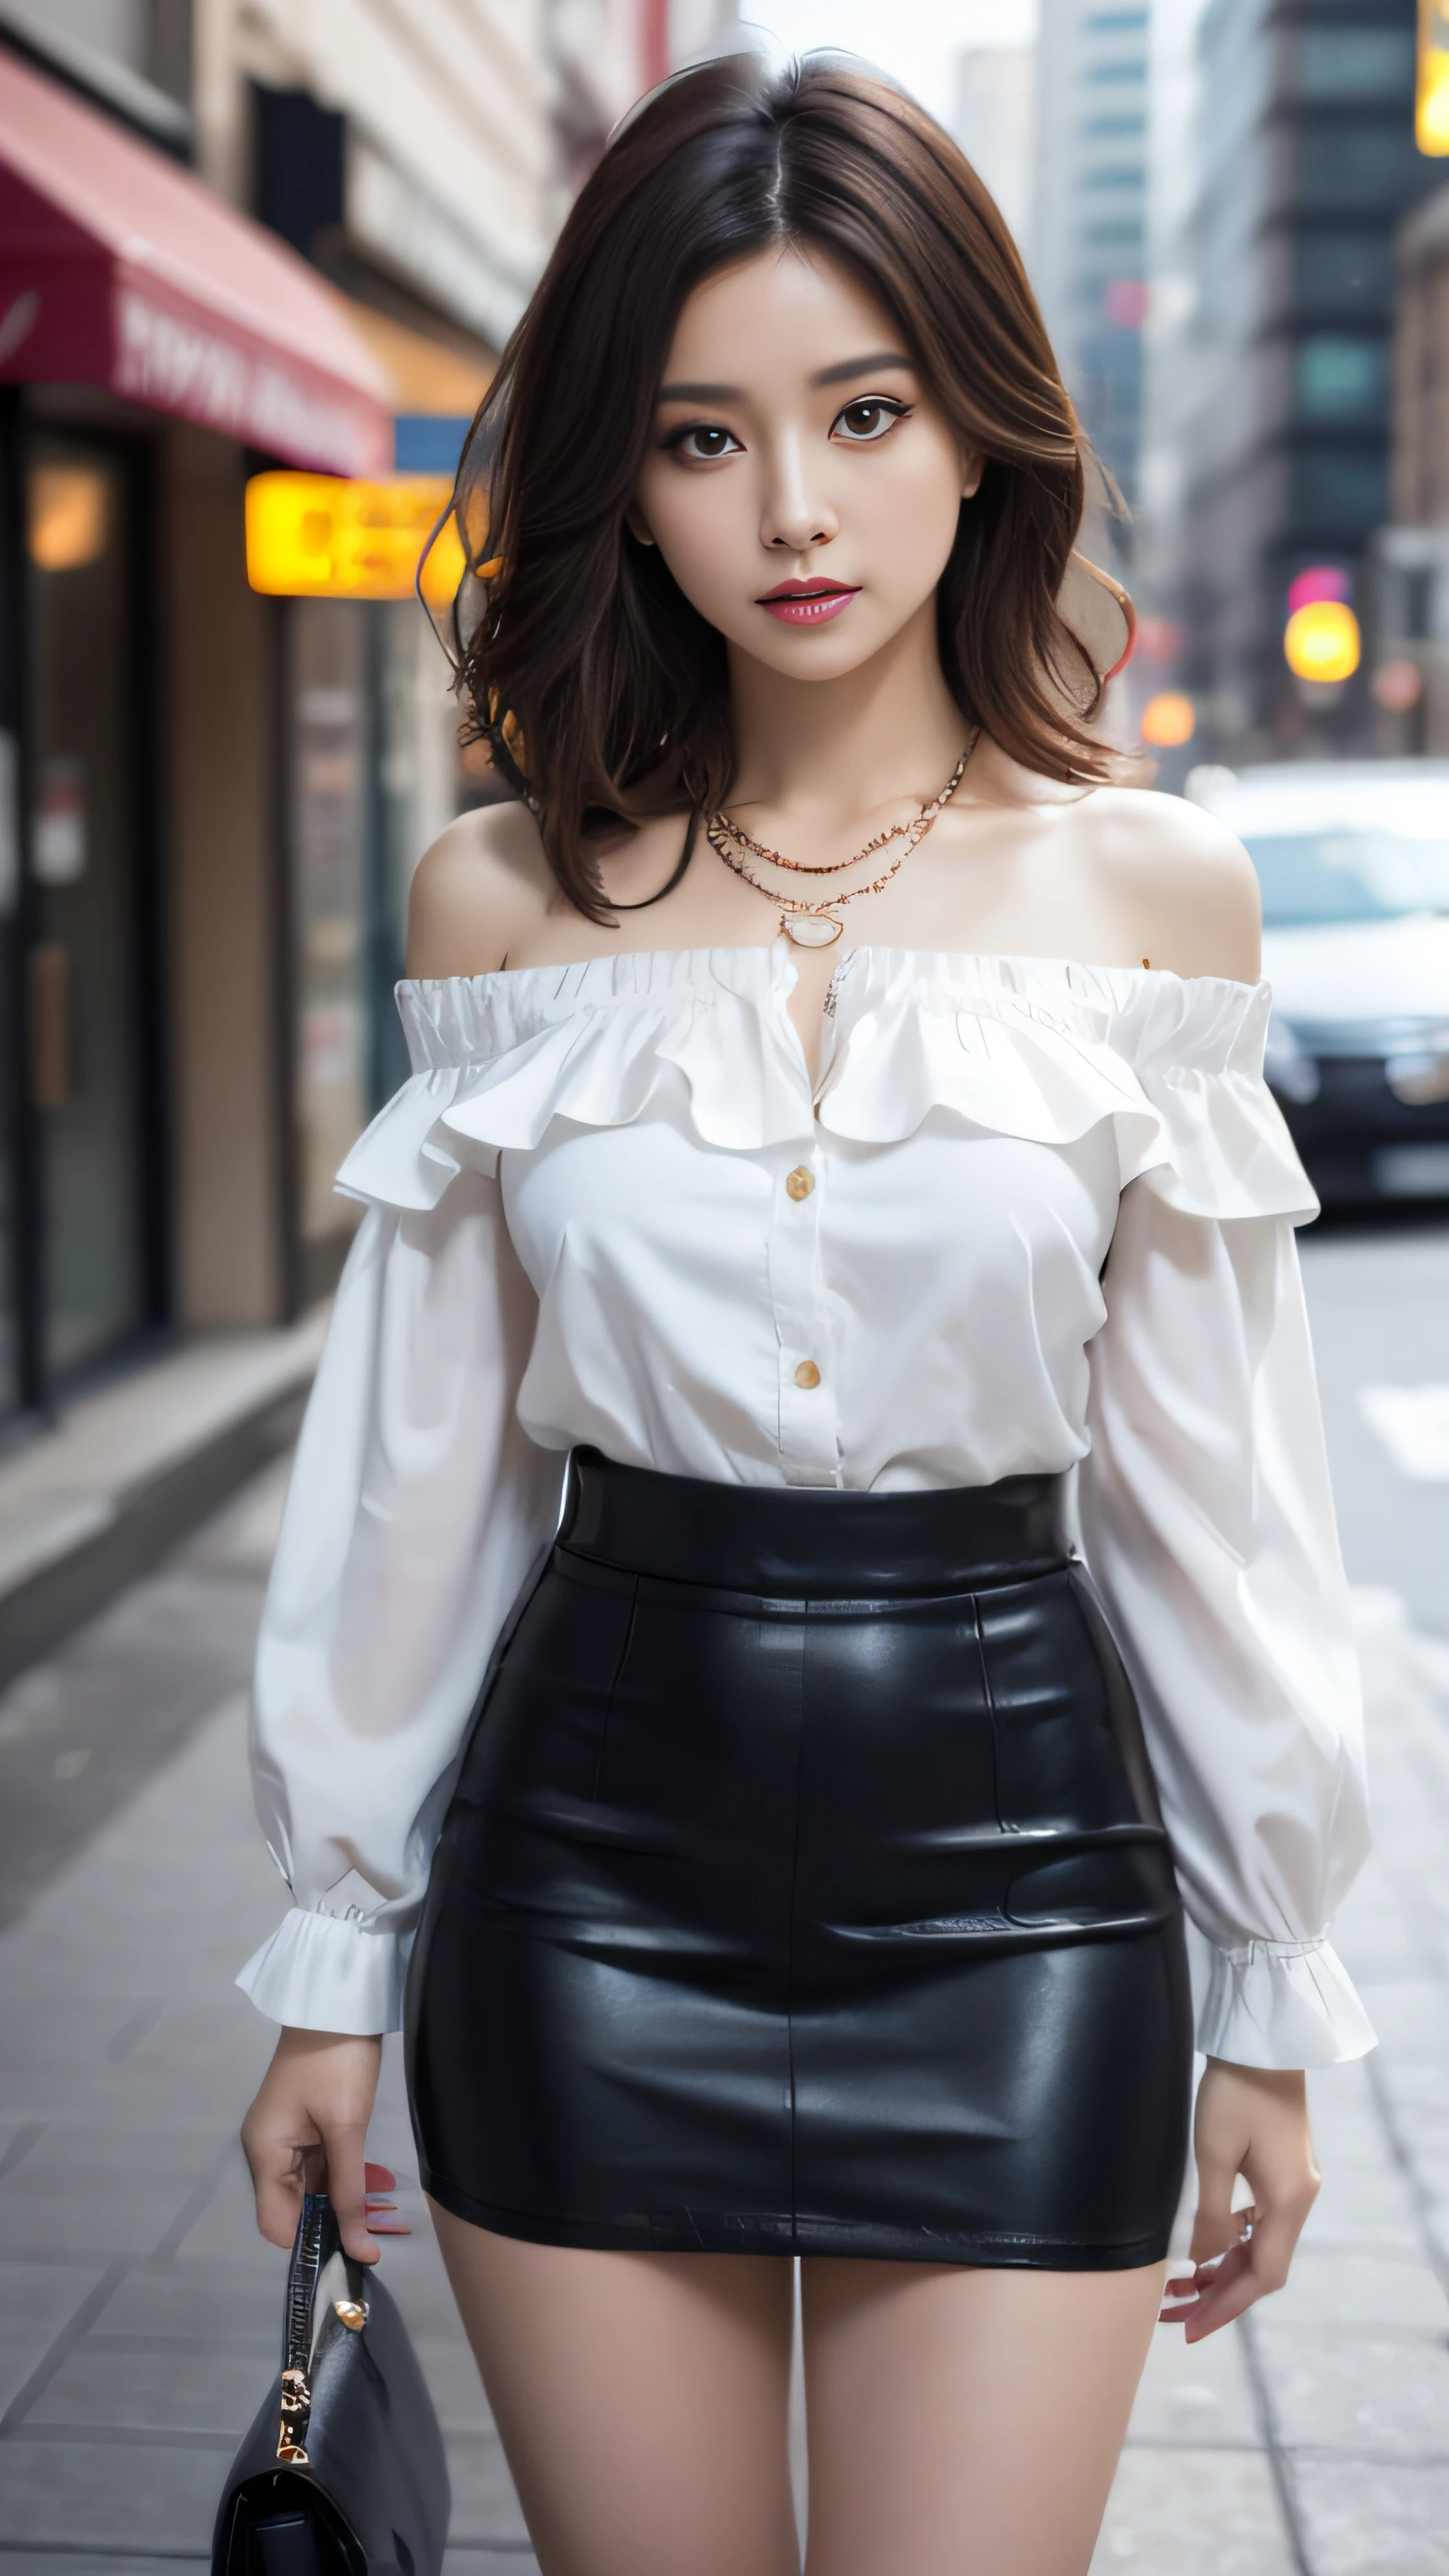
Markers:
<point>296,2416</point>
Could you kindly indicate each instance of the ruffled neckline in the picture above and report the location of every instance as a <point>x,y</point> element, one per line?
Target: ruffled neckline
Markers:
<point>1043,1049</point>
<point>644,973</point>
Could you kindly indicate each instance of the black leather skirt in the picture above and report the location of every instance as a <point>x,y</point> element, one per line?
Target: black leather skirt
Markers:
<point>804,1891</point>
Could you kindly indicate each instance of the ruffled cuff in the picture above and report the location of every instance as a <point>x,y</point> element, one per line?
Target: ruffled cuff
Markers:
<point>322,1972</point>
<point>1276,2004</point>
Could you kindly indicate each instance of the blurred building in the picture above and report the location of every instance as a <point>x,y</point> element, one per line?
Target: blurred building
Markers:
<point>994,123</point>
<point>1089,219</point>
<point>1306,164</point>
<point>1409,626</point>
<point>1169,364</point>
<point>234,236</point>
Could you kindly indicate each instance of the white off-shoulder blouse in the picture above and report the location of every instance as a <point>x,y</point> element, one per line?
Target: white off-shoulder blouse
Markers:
<point>1031,1216</point>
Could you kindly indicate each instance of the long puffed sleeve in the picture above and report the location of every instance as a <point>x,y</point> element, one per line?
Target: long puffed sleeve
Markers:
<point>416,1507</point>
<point>1208,1522</point>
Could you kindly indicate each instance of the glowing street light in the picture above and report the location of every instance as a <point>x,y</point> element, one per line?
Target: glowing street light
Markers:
<point>1321,641</point>
<point>1431,94</point>
<point>1168,720</point>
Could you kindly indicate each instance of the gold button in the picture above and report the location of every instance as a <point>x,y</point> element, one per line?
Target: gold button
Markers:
<point>799,1183</point>
<point>807,1374</point>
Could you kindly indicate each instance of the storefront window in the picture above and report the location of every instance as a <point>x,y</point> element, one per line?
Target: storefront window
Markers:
<point>418,781</point>
<point>327,678</point>
<point>375,777</point>
<point>11,1366</point>
<point>84,966</point>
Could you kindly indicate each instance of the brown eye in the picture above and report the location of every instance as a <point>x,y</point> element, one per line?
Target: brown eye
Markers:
<point>702,441</point>
<point>865,421</point>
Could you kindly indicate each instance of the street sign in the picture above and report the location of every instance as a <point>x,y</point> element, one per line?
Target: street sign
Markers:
<point>326,536</point>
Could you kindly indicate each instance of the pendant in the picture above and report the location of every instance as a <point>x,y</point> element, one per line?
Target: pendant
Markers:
<point>811,929</point>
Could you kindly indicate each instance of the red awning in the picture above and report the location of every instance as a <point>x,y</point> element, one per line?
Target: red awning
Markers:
<point>119,269</point>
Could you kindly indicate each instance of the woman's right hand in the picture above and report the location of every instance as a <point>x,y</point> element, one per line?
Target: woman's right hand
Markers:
<point>316,2099</point>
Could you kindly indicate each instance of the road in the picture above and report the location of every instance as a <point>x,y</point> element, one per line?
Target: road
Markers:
<point>1379,1299</point>
<point>138,2309</point>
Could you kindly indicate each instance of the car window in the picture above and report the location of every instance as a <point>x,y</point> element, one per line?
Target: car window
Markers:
<point>1347,876</point>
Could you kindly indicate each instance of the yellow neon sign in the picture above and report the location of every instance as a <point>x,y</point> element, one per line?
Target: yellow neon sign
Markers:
<point>322,536</point>
<point>1431,91</point>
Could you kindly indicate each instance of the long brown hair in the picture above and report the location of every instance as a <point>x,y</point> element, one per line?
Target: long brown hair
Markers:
<point>602,692</point>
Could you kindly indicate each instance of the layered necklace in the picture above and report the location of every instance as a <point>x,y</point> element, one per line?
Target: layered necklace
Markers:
<point>815,924</point>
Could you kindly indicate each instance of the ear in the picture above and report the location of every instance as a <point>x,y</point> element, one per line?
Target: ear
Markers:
<point>973,466</point>
<point>638,526</point>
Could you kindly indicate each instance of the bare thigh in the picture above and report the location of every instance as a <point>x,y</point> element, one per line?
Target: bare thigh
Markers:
<point>960,2423</point>
<point>966,2423</point>
<point>642,2401</point>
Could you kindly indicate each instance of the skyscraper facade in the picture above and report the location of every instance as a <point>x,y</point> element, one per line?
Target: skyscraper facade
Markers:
<point>1089,226</point>
<point>1306,164</point>
<point>993,117</point>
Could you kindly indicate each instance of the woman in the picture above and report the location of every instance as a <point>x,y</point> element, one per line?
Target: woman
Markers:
<point>837,1116</point>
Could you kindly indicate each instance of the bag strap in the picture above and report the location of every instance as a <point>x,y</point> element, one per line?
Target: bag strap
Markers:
<point>316,2237</point>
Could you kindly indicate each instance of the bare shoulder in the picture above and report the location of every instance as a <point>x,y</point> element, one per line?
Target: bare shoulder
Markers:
<point>1183,877</point>
<point>483,883</point>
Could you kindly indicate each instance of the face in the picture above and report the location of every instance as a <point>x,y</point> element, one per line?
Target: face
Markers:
<point>801,484</point>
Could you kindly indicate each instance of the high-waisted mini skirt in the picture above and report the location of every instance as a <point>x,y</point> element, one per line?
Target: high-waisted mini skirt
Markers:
<point>804,1891</point>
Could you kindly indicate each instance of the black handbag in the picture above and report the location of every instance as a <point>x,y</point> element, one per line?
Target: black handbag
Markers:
<point>343,2472</point>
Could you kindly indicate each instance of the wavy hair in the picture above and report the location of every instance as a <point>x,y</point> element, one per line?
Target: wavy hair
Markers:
<point>601,691</point>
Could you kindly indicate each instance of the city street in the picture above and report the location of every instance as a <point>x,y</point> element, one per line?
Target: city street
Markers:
<point>140,2311</point>
<point>1090,362</point>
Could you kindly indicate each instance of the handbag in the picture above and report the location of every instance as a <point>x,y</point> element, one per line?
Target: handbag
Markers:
<point>343,2471</point>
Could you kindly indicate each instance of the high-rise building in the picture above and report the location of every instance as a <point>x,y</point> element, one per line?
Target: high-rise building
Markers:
<point>994,123</point>
<point>1306,162</point>
<point>1088,233</point>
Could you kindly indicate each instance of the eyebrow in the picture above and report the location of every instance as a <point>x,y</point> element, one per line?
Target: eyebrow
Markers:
<point>867,366</point>
<point>871,365</point>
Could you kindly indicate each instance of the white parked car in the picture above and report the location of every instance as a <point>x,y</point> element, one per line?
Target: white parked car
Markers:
<point>1353,860</point>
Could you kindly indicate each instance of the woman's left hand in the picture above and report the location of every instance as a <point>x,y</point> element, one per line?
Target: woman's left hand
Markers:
<point>1252,2122</point>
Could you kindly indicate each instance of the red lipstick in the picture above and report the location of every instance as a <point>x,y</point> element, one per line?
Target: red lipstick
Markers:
<point>808,603</point>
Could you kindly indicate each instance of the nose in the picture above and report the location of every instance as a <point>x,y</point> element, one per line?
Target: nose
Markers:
<point>794,518</point>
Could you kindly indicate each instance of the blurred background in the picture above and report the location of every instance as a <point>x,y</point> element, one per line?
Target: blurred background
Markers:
<point>273,249</point>
<point>257,261</point>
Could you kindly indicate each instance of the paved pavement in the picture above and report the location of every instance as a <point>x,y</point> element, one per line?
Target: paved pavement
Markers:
<point>138,2308</point>
<point>132,1467</point>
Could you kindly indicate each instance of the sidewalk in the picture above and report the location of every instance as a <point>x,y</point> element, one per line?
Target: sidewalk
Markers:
<point>138,2309</point>
<point>1313,2440</point>
<point>131,1467</point>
